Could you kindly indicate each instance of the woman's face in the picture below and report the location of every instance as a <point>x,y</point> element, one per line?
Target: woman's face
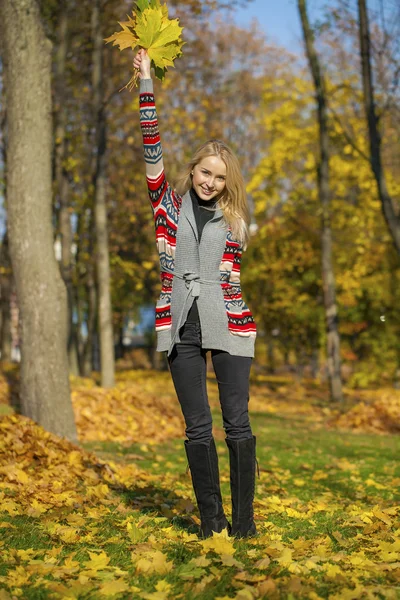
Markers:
<point>209,177</point>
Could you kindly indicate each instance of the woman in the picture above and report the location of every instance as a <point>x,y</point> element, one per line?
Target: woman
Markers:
<point>201,231</point>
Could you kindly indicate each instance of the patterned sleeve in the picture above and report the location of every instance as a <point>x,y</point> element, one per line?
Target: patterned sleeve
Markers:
<point>156,182</point>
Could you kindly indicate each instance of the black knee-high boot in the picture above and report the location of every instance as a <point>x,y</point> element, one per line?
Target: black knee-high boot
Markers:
<point>242,460</point>
<point>203,464</point>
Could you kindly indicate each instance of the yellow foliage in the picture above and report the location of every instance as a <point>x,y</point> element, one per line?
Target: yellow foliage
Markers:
<point>151,29</point>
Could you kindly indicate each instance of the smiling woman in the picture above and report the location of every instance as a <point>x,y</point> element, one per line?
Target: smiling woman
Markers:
<point>202,228</point>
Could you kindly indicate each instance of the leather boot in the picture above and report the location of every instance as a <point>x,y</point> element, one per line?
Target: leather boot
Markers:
<point>203,464</point>
<point>242,460</point>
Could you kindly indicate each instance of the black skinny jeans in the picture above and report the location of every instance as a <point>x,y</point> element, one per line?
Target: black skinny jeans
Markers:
<point>188,368</point>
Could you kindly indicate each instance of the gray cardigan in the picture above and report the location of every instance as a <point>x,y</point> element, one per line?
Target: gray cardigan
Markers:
<point>203,260</point>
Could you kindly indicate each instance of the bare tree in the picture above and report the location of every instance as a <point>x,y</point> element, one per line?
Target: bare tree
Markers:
<point>329,284</point>
<point>45,394</point>
<point>6,284</point>
<point>6,278</point>
<point>100,207</point>
<point>62,188</point>
<point>389,212</point>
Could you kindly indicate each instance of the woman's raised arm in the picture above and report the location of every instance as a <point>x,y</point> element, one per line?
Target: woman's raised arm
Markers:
<point>156,181</point>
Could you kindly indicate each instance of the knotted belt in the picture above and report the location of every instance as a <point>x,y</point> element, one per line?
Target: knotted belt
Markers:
<point>193,281</point>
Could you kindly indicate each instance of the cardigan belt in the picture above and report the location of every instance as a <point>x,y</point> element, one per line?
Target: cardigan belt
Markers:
<point>193,281</point>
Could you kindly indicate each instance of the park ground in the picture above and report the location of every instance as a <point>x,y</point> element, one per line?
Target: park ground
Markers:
<point>115,516</point>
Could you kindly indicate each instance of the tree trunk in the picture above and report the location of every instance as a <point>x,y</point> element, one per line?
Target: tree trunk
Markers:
<point>91,291</point>
<point>6,278</point>
<point>45,394</point>
<point>6,282</point>
<point>388,209</point>
<point>314,362</point>
<point>61,180</point>
<point>79,340</point>
<point>107,359</point>
<point>331,313</point>
<point>271,366</point>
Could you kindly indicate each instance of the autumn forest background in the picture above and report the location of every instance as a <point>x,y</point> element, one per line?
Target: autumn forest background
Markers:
<point>94,498</point>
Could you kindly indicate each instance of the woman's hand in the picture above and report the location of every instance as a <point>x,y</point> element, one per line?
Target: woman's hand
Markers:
<point>142,63</point>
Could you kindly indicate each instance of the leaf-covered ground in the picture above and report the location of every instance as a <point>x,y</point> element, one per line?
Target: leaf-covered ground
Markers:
<point>116,518</point>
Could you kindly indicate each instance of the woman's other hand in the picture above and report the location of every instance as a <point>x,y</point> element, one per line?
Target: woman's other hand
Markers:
<point>142,63</point>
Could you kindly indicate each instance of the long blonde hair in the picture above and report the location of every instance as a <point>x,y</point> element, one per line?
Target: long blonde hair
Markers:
<point>233,198</point>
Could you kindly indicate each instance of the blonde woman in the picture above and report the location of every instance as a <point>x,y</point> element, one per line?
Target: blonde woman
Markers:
<point>202,227</point>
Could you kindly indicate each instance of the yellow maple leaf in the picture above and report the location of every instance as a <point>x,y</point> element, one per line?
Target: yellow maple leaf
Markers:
<point>296,568</point>
<point>25,554</point>
<point>311,564</point>
<point>200,561</point>
<point>299,482</point>
<point>75,458</point>
<point>17,577</point>
<point>163,586</point>
<point>263,563</point>
<point>76,519</point>
<point>97,561</point>
<point>382,516</point>
<point>156,33</point>
<point>229,561</point>
<point>154,562</point>
<point>36,509</point>
<point>245,594</point>
<point>291,512</point>
<point>21,476</point>
<point>111,588</point>
<point>124,39</point>
<point>266,587</point>
<point>135,533</point>
<point>68,535</point>
<point>189,537</point>
<point>389,556</point>
<point>143,565</point>
<point>163,57</point>
<point>9,506</point>
<point>285,558</point>
<point>220,543</point>
<point>70,564</point>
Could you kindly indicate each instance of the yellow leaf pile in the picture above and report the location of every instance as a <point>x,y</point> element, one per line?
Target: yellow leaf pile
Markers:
<point>46,473</point>
<point>137,404</point>
<point>381,415</point>
<point>151,29</point>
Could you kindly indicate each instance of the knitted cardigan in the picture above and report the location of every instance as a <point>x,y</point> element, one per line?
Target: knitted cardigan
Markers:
<point>208,271</point>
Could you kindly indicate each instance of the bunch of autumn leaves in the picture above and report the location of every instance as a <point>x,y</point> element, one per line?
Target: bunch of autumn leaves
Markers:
<point>151,29</point>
